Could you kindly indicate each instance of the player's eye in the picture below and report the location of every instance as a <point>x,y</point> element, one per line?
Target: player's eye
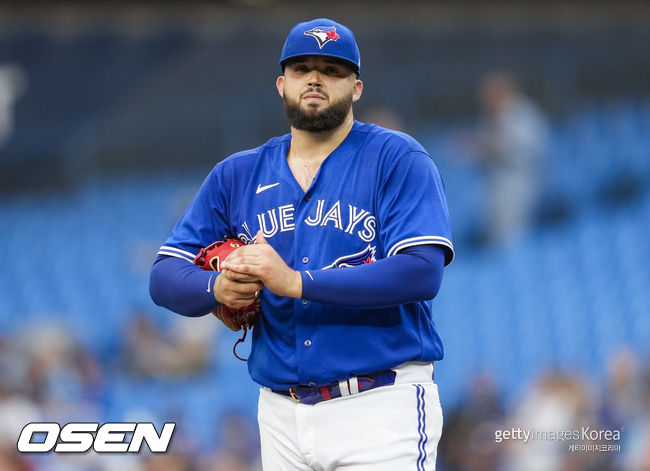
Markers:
<point>300,68</point>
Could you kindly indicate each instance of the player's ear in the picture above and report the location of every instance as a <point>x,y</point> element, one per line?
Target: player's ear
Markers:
<point>358,90</point>
<point>279,83</point>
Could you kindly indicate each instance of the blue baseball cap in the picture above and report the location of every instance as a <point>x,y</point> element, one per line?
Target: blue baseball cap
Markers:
<point>322,37</point>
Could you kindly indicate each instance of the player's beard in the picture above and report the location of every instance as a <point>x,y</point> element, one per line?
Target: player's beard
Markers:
<point>317,121</point>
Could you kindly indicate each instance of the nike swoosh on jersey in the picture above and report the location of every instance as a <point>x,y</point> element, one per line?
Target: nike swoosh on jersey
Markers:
<point>261,188</point>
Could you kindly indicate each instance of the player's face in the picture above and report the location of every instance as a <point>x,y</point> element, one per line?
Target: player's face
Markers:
<point>318,93</point>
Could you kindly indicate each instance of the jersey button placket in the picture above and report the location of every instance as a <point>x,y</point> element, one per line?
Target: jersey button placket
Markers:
<point>305,348</point>
<point>305,260</point>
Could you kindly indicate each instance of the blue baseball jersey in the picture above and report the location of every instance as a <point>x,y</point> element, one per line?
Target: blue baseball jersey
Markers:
<point>376,194</point>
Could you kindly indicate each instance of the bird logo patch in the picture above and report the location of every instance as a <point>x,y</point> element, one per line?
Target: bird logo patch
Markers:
<point>323,34</point>
<point>367,255</point>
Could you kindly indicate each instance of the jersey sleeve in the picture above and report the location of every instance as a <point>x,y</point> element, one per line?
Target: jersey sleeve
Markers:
<point>204,221</point>
<point>412,206</point>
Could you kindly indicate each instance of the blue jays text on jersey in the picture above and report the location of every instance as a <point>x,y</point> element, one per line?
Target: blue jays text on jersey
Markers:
<point>376,194</point>
<point>283,219</point>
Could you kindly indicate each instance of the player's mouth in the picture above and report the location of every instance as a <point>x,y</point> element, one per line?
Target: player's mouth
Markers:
<point>313,96</point>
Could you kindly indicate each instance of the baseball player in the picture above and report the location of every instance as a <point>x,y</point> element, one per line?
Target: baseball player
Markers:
<point>346,235</point>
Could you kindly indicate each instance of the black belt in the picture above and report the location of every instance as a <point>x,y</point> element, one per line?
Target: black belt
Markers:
<point>354,385</point>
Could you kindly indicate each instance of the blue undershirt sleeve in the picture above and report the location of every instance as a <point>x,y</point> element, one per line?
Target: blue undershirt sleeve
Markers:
<point>414,274</point>
<point>182,287</point>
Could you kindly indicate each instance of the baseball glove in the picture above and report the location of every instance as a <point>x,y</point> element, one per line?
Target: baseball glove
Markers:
<point>210,258</point>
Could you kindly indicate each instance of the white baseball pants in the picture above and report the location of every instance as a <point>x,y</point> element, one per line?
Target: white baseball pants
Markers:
<point>389,428</point>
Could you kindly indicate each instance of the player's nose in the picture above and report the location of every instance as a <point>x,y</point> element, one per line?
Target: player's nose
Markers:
<point>314,78</point>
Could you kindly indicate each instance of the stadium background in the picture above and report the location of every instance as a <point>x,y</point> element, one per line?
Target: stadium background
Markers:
<point>120,109</point>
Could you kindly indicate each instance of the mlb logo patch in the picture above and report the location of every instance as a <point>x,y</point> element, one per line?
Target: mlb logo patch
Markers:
<point>323,34</point>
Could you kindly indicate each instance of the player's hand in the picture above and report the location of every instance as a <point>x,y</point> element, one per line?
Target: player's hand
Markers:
<point>260,261</point>
<point>235,291</point>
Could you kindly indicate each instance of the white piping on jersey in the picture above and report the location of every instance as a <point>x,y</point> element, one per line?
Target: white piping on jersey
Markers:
<point>309,274</point>
<point>178,253</point>
<point>172,254</point>
<point>174,249</point>
<point>423,240</point>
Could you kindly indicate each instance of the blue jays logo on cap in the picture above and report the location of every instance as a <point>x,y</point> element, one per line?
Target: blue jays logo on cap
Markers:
<point>322,37</point>
<point>323,34</point>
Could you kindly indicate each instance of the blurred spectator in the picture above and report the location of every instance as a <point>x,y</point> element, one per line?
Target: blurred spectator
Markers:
<point>467,442</point>
<point>555,402</point>
<point>624,390</point>
<point>62,378</point>
<point>629,397</point>
<point>16,410</point>
<point>12,460</point>
<point>239,447</point>
<point>511,145</point>
<point>46,376</point>
<point>383,116</point>
<point>13,84</point>
<point>170,461</point>
<point>183,352</point>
